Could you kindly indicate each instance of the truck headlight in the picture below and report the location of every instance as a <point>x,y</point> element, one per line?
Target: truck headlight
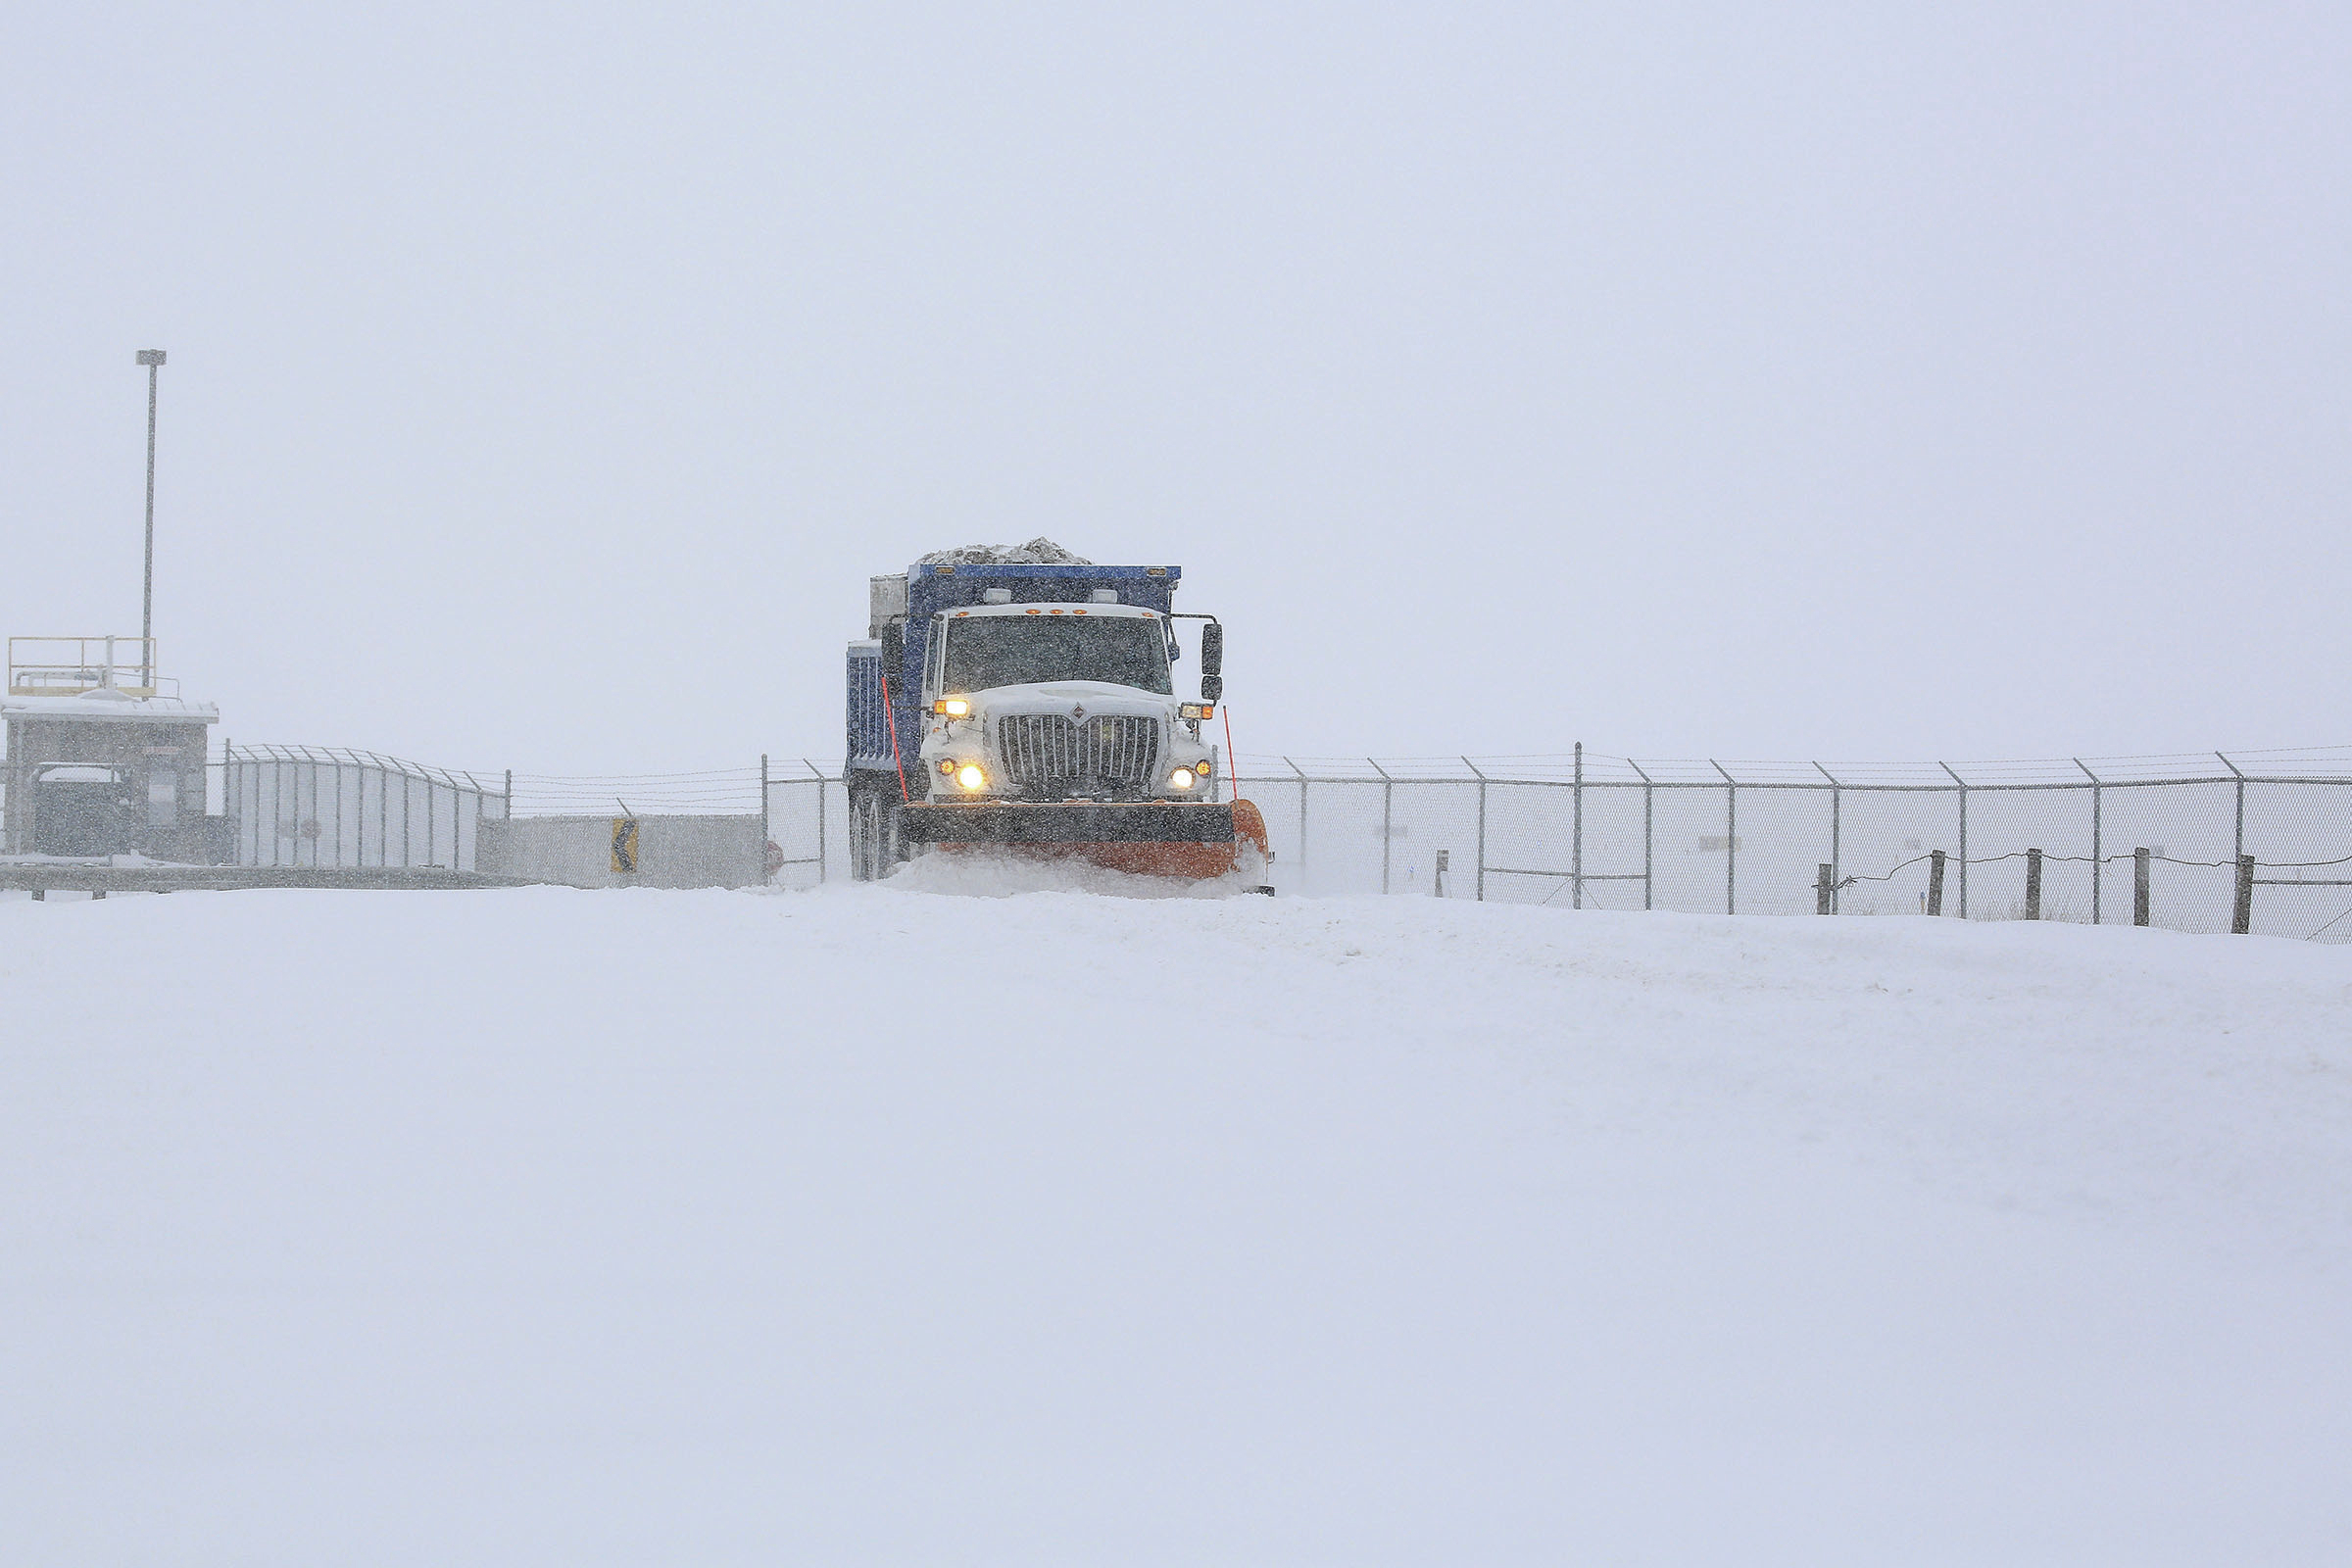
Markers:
<point>1181,779</point>
<point>970,776</point>
<point>953,706</point>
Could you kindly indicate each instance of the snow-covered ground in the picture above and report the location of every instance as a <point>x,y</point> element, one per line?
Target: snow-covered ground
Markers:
<point>878,1225</point>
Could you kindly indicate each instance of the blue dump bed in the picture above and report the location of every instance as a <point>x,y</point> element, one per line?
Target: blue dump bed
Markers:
<point>932,589</point>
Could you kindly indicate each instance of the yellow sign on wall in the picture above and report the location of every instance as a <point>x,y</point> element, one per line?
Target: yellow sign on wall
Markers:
<point>625,846</point>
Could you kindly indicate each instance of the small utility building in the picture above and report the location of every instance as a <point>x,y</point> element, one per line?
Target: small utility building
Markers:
<point>103,756</point>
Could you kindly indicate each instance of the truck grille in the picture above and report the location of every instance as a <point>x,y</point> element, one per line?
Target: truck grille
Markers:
<point>1050,753</point>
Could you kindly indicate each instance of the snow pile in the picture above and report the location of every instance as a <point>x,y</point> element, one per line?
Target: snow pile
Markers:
<point>551,1227</point>
<point>1038,552</point>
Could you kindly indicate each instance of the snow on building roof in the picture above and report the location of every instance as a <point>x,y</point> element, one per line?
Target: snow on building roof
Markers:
<point>112,705</point>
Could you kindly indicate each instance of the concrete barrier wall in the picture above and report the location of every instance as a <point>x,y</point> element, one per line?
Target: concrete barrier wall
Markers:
<point>672,851</point>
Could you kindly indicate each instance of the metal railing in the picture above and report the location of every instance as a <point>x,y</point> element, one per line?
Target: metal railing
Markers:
<point>75,666</point>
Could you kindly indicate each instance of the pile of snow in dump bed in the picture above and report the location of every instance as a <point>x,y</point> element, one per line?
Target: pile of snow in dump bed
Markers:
<point>1038,552</point>
<point>551,1227</point>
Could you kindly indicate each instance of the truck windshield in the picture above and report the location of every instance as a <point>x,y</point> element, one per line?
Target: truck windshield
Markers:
<point>1031,650</point>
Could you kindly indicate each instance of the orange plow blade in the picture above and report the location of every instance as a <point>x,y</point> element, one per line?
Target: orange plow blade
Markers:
<point>1177,861</point>
<point>1192,863</point>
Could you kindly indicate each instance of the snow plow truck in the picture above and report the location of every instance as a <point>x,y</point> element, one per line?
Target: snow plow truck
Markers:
<point>1021,702</point>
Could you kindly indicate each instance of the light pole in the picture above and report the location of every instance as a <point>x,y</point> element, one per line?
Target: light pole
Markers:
<point>153,359</point>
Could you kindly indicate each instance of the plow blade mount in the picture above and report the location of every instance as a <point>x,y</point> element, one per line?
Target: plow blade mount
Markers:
<point>1149,838</point>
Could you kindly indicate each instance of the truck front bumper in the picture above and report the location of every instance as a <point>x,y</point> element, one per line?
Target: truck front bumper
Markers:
<point>1067,822</point>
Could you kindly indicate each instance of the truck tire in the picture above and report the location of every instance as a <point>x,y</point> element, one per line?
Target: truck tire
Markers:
<point>861,835</point>
<point>874,845</point>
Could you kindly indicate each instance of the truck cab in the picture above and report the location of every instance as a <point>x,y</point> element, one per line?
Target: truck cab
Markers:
<point>1058,703</point>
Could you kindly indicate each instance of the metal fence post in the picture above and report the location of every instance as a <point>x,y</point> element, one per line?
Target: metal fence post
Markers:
<point>2237,847</point>
<point>820,818</point>
<point>1387,791</point>
<point>1482,829</point>
<point>1576,846</point>
<point>1293,768</point>
<point>1836,826</point>
<point>2241,913</point>
<point>1731,839</point>
<point>2098,866</point>
<point>1963,783</point>
<point>765,876</point>
<point>1649,859</point>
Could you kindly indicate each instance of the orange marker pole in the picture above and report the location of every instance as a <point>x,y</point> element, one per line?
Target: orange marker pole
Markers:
<point>1233,786</point>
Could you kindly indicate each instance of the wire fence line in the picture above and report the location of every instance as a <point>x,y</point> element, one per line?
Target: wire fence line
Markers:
<point>2058,837</point>
<point>2059,840</point>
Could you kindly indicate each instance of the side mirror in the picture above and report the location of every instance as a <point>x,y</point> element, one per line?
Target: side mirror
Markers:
<point>1213,648</point>
<point>1213,688</point>
<point>893,652</point>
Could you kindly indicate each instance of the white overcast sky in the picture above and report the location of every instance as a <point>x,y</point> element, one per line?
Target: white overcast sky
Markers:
<point>1880,381</point>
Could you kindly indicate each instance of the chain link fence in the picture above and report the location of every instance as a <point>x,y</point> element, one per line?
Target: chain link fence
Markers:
<point>2165,841</point>
<point>322,808</point>
<point>2253,840</point>
<point>2056,840</point>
